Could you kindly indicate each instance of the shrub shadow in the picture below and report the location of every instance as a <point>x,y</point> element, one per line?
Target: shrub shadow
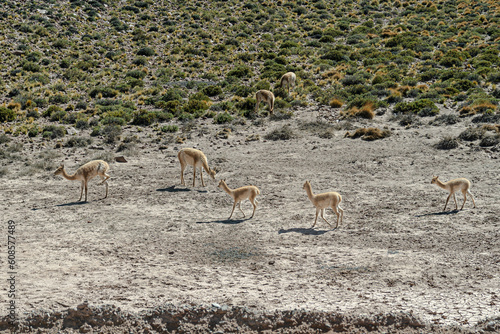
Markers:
<point>305,231</point>
<point>173,189</point>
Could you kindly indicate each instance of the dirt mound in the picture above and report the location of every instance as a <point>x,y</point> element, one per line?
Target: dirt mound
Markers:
<point>224,319</point>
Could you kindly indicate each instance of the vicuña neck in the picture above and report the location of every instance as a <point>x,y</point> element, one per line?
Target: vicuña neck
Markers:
<point>205,166</point>
<point>67,176</point>
<point>309,191</point>
<point>226,188</point>
<point>440,184</point>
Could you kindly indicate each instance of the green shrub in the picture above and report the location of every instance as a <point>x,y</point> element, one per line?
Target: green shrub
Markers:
<point>222,118</point>
<point>140,61</point>
<point>33,131</point>
<point>96,131</point>
<point>263,84</point>
<point>212,90</point>
<point>136,74</point>
<point>422,107</point>
<point>7,115</point>
<point>4,138</point>
<point>174,94</point>
<point>78,142</point>
<point>59,99</point>
<point>195,107</point>
<point>82,124</point>
<point>113,120</point>
<point>57,116</point>
<point>111,133</point>
<point>184,116</point>
<point>146,51</point>
<point>240,71</point>
<point>450,62</point>
<point>104,92</point>
<point>31,67</point>
<point>144,117</point>
<point>53,131</point>
<point>169,128</point>
<point>243,91</point>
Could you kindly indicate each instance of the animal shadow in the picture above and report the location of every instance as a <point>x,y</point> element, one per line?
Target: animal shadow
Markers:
<point>225,221</point>
<point>305,231</point>
<point>440,213</point>
<point>173,189</point>
<point>73,203</point>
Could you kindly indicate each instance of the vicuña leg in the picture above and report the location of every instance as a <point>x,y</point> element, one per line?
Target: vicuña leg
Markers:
<point>105,181</point>
<point>86,188</point>
<point>234,205</point>
<point>201,175</point>
<point>316,219</point>
<point>194,174</point>
<point>183,166</point>
<point>340,213</point>
<point>81,190</point>
<point>322,216</point>
<point>447,199</point>
<point>239,207</point>
<point>470,194</point>
<point>254,203</point>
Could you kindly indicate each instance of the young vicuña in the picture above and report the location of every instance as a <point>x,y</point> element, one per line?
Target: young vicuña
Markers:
<point>240,194</point>
<point>323,201</point>
<point>461,184</point>
<point>85,173</point>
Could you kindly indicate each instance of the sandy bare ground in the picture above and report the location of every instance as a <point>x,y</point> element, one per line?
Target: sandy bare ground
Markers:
<point>153,242</point>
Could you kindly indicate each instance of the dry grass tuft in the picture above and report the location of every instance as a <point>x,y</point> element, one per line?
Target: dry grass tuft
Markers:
<point>367,111</point>
<point>491,127</point>
<point>368,134</point>
<point>336,103</point>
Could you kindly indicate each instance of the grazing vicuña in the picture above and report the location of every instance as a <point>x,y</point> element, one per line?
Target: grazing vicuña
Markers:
<point>195,158</point>
<point>288,79</point>
<point>86,172</point>
<point>264,96</point>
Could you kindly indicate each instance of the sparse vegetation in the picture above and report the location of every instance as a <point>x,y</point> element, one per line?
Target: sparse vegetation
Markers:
<point>283,133</point>
<point>447,143</point>
<point>368,134</point>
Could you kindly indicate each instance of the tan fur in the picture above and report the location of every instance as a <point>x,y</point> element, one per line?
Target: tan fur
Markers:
<point>264,96</point>
<point>195,158</point>
<point>87,172</point>
<point>241,194</point>
<point>461,184</point>
<point>288,79</point>
<point>323,201</point>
